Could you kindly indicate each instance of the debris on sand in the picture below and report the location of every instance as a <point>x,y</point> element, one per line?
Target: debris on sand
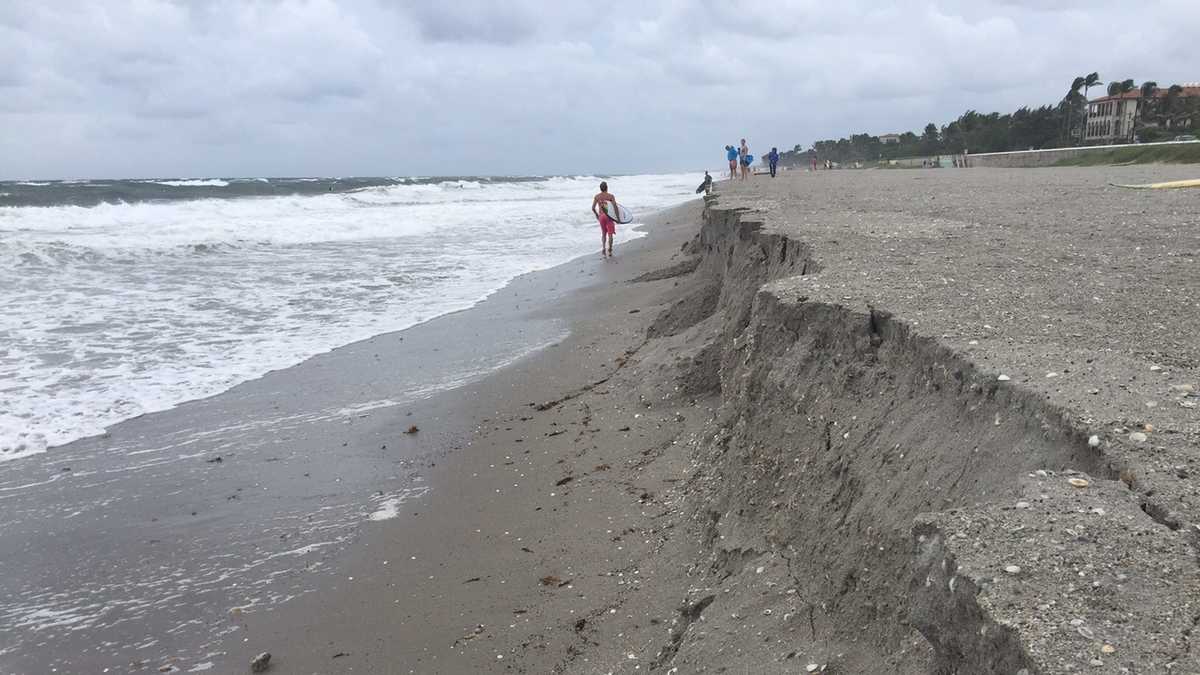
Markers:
<point>474,633</point>
<point>1078,482</point>
<point>550,580</point>
<point>412,429</point>
<point>260,663</point>
<point>564,480</point>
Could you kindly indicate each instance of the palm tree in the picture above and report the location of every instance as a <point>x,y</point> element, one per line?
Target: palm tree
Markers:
<point>1090,81</point>
<point>1070,100</point>
<point>1122,87</point>
<point>1171,103</point>
<point>1144,104</point>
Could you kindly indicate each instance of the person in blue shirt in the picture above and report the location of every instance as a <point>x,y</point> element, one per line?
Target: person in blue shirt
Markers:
<point>773,160</point>
<point>731,154</point>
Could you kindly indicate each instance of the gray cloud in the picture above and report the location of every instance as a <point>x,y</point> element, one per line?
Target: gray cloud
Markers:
<point>473,21</point>
<point>436,87</point>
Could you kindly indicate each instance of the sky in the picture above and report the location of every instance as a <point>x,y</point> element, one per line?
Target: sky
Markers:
<point>156,88</point>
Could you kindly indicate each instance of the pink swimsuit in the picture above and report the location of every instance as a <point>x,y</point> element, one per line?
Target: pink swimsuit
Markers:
<point>607,226</point>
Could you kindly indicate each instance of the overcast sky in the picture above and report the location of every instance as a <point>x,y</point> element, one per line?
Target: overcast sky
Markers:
<point>369,87</point>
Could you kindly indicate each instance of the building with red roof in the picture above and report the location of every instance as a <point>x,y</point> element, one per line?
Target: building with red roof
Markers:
<point>1115,119</point>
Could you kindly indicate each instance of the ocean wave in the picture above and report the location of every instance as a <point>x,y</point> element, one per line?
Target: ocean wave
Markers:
<point>164,225</point>
<point>196,182</point>
<point>461,184</point>
<point>61,254</point>
<point>116,310</point>
<point>31,183</point>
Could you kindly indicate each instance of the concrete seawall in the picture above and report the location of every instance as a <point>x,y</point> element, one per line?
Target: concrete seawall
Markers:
<point>1034,158</point>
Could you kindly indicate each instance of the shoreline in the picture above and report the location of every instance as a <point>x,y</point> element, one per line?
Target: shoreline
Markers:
<point>504,455</point>
<point>231,490</point>
<point>829,423</point>
<point>339,268</point>
<point>810,422</point>
<point>16,456</point>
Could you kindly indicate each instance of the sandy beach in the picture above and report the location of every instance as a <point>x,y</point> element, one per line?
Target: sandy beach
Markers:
<point>312,361</point>
<point>845,427</point>
<point>841,422</point>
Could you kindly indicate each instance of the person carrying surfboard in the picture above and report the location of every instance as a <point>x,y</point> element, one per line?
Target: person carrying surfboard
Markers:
<point>608,227</point>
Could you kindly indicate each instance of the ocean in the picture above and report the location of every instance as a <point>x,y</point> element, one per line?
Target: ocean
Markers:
<point>124,297</point>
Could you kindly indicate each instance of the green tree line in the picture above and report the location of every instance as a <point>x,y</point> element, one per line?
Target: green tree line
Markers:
<point>1048,126</point>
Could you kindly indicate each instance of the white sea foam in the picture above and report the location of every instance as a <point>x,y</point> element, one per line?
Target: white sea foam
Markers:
<point>198,182</point>
<point>387,507</point>
<point>32,183</point>
<point>367,407</point>
<point>117,310</point>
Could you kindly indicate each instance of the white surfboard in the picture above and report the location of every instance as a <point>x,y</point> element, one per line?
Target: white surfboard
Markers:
<point>618,213</point>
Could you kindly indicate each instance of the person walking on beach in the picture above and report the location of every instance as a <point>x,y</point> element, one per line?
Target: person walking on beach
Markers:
<point>608,227</point>
<point>744,159</point>
<point>706,186</point>
<point>731,154</point>
<point>773,160</point>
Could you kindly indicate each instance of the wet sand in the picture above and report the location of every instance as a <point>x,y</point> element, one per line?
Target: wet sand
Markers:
<point>532,522</point>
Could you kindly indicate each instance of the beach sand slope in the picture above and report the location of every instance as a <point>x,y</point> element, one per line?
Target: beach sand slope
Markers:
<point>859,422</point>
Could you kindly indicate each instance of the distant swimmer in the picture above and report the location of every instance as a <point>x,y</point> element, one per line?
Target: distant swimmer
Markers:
<point>706,186</point>
<point>731,154</point>
<point>607,227</point>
